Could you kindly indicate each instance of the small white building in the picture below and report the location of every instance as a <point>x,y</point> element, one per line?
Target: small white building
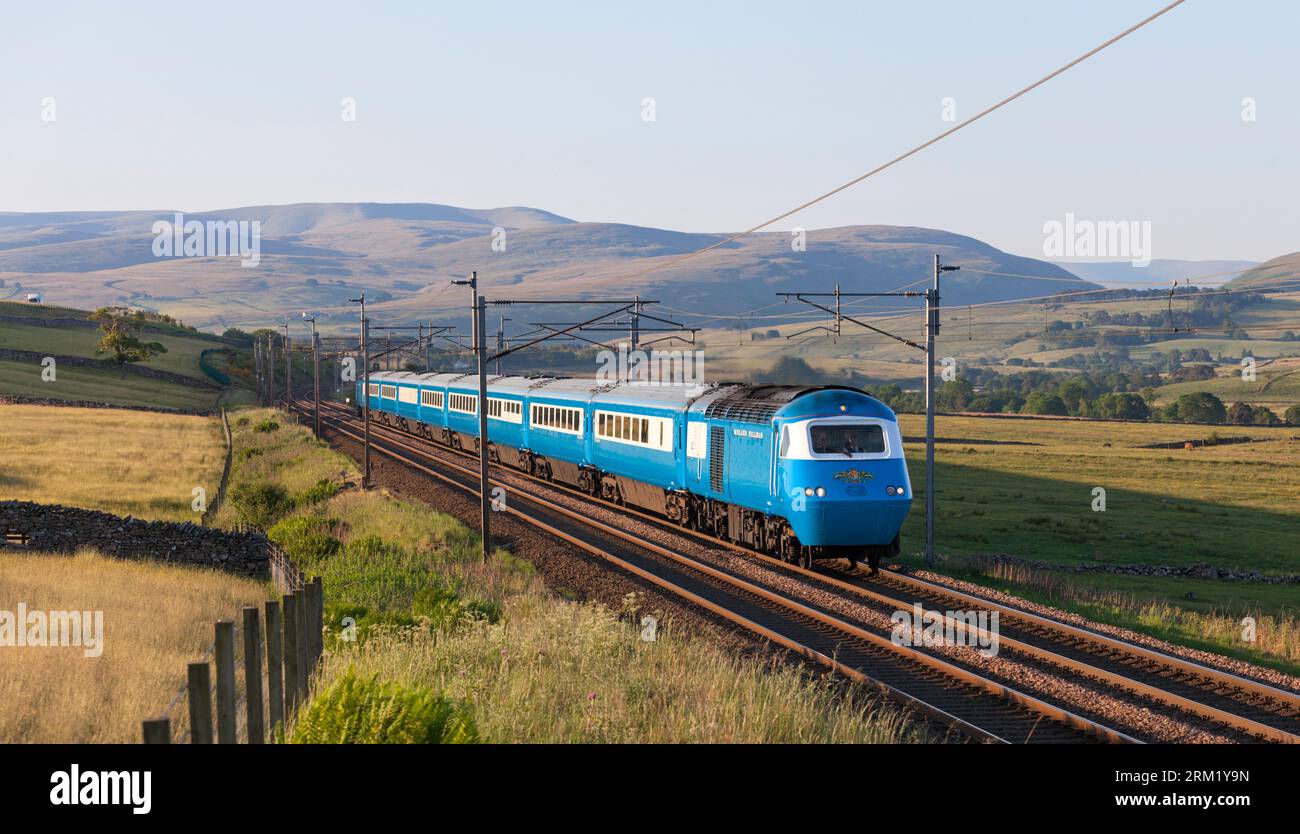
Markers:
<point>34,298</point>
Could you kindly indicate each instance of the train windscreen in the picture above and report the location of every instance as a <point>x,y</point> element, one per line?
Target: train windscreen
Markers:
<point>847,439</point>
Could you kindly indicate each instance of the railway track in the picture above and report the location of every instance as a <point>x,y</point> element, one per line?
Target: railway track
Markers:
<point>1250,709</point>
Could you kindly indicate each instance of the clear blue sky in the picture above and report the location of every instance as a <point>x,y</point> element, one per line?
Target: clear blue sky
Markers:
<point>197,105</point>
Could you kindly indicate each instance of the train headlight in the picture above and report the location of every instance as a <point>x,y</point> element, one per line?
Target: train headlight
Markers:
<point>891,490</point>
<point>821,492</point>
<point>808,491</point>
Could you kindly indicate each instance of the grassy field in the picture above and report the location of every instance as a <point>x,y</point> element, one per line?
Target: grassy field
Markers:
<point>527,665</point>
<point>1231,505</point>
<point>125,462</point>
<point>97,384</point>
<point>1276,385</point>
<point>156,618</point>
<point>103,385</point>
<point>182,356</point>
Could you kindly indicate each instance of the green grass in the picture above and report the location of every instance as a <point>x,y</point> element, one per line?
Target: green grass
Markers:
<point>182,356</point>
<point>101,385</point>
<point>1277,386</point>
<point>1227,505</point>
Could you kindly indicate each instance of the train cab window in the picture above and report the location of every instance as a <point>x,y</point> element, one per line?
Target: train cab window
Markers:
<point>847,439</point>
<point>785,441</point>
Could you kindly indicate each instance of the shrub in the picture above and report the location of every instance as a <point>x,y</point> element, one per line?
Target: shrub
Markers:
<point>365,711</point>
<point>267,426</point>
<point>1291,415</point>
<point>261,504</point>
<point>307,539</point>
<point>250,452</point>
<point>444,609</point>
<point>322,490</point>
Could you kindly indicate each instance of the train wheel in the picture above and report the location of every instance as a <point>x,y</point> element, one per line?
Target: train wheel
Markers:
<point>805,561</point>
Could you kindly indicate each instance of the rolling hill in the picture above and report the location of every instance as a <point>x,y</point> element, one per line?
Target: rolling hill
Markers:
<point>316,256</point>
<point>1284,269</point>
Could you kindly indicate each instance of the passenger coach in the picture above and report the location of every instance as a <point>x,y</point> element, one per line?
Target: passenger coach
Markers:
<point>802,472</point>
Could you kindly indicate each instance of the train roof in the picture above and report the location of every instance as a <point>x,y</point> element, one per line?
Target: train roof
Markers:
<point>754,403</point>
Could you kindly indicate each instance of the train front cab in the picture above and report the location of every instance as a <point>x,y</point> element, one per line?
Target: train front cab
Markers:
<point>841,476</point>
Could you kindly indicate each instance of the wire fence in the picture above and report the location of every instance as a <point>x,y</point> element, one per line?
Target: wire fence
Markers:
<point>214,506</point>
<point>261,680</point>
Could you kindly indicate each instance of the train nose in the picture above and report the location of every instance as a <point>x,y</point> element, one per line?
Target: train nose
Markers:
<point>846,519</point>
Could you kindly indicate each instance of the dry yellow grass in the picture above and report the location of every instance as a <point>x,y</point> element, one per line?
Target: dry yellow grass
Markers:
<point>156,619</point>
<point>126,462</point>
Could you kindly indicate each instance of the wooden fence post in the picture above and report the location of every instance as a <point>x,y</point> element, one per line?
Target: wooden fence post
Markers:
<point>317,622</point>
<point>274,658</point>
<point>157,731</point>
<point>200,697</point>
<point>253,675</point>
<point>320,617</point>
<point>304,640</point>
<point>291,654</point>
<point>225,655</point>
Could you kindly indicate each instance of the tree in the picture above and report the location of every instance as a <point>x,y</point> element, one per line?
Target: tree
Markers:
<point>1200,407</point>
<point>244,338</point>
<point>1292,415</point>
<point>1241,414</point>
<point>1043,403</point>
<point>954,395</point>
<point>1074,392</point>
<point>1121,406</point>
<point>121,328</point>
<point>1264,416</point>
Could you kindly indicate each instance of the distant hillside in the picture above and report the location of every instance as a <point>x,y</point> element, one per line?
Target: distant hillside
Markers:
<point>317,256</point>
<point>1284,269</point>
<point>1159,271</point>
<point>31,333</point>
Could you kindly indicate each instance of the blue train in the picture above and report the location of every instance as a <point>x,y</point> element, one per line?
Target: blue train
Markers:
<point>801,472</point>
